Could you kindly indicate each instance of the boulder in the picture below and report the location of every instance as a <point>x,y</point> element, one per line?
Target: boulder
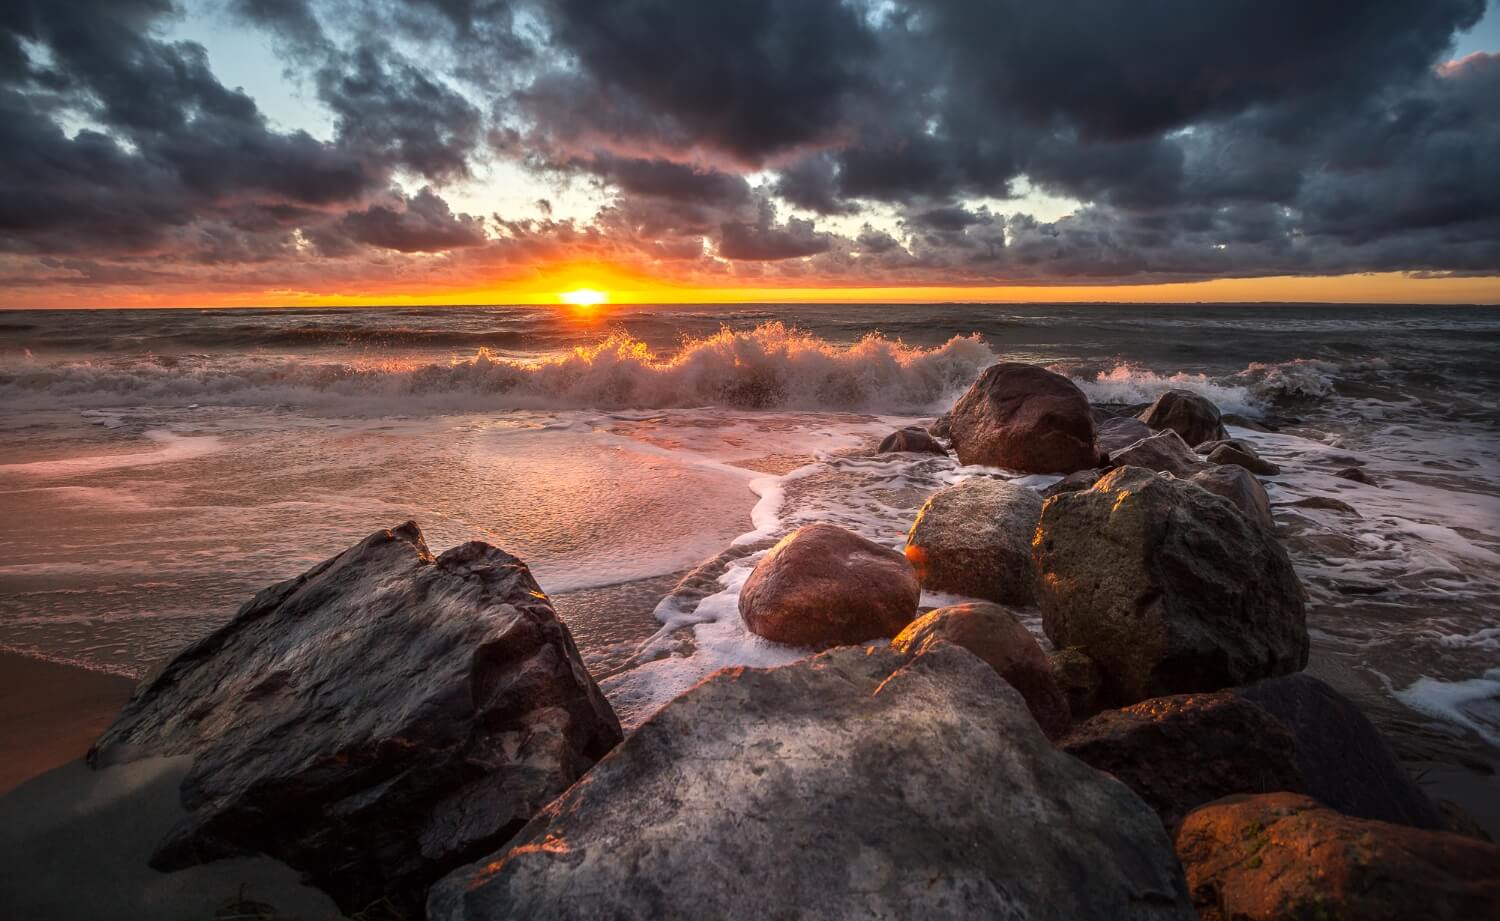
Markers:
<point>1080,680</point>
<point>1164,452</point>
<point>1239,452</point>
<point>1180,752</point>
<point>823,586</point>
<point>1326,503</point>
<point>1073,482</point>
<point>940,426</point>
<point>851,785</point>
<point>911,440</point>
<point>1241,488</point>
<point>1245,422</point>
<point>993,634</point>
<point>1346,763</point>
<point>974,538</point>
<point>375,722</point>
<point>1118,432</point>
<point>1285,857</point>
<point>1357,475</point>
<point>1167,587</point>
<point>1191,416</point>
<point>1026,418</point>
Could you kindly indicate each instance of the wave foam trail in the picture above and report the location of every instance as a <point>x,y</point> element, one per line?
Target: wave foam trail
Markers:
<point>1129,384</point>
<point>770,367</point>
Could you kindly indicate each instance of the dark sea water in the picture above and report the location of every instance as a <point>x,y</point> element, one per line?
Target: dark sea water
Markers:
<point>158,467</point>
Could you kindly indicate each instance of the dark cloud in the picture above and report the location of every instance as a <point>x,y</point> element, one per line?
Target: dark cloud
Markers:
<point>422,224</point>
<point>764,240</point>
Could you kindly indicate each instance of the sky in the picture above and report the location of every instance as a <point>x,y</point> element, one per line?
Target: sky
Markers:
<point>285,152</point>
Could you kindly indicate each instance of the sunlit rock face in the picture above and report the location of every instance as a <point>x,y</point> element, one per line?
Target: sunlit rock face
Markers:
<point>974,538</point>
<point>374,722</point>
<point>1168,588</point>
<point>1285,857</point>
<point>1025,418</point>
<point>852,785</point>
<point>1190,415</point>
<point>823,586</point>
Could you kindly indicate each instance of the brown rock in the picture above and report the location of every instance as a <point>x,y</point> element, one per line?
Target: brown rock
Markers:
<point>1328,503</point>
<point>910,440</point>
<point>1164,452</point>
<point>1080,680</point>
<point>1118,432</point>
<point>1073,482</point>
<point>1026,418</point>
<point>1167,587</point>
<point>1238,452</point>
<point>1284,857</point>
<point>1178,753</point>
<point>1241,488</point>
<point>1356,474</point>
<point>823,586</point>
<point>993,634</point>
<point>974,538</point>
<point>1193,417</point>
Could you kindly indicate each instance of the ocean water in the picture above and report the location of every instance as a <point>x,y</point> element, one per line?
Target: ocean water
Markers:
<point>158,467</point>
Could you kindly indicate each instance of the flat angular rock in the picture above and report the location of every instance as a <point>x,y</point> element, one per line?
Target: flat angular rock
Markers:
<point>1026,418</point>
<point>1286,857</point>
<point>1241,488</point>
<point>1073,482</point>
<point>995,635</point>
<point>1118,432</point>
<point>1238,452</point>
<point>856,784</point>
<point>974,538</point>
<point>1164,452</point>
<point>1191,416</point>
<point>1167,587</point>
<point>822,586</point>
<point>374,722</point>
<point>1183,751</point>
<point>1344,759</point>
<point>912,441</point>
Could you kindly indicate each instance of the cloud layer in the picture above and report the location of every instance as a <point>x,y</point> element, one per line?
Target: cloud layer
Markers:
<point>748,143</point>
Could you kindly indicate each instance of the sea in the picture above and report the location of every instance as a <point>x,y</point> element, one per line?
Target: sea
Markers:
<point>158,467</point>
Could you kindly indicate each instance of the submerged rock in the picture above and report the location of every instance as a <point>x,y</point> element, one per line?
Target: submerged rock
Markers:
<point>1164,452</point>
<point>1357,475</point>
<point>1180,752</point>
<point>910,440</point>
<point>823,586</point>
<point>1241,488</point>
<point>1191,416</point>
<point>1326,503</point>
<point>1285,857</point>
<point>993,634</point>
<point>1118,432</point>
<point>1345,761</point>
<point>374,722</point>
<point>852,785</point>
<point>1167,587</point>
<point>974,538</point>
<point>1026,418</point>
<point>1240,453</point>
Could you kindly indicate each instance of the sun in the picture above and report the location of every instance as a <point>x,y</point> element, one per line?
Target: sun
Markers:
<point>584,297</point>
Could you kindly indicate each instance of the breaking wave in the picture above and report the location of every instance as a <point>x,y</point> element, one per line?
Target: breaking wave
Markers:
<point>773,366</point>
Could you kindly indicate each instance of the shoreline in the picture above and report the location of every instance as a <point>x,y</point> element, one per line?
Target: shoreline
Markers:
<point>51,713</point>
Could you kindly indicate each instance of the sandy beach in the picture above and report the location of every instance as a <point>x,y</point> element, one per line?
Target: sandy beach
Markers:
<point>50,714</point>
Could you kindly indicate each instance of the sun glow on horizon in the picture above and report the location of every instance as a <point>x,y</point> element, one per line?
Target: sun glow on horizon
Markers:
<point>584,297</point>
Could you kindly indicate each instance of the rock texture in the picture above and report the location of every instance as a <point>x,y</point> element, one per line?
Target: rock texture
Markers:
<point>1026,418</point>
<point>1357,474</point>
<point>1180,752</point>
<point>823,586</point>
<point>910,440</point>
<point>1347,764</point>
<point>1241,488</point>
<point>374,722</point>
<point>1164,452</point>
<point>1191,416</point>
<point>1239,452</point>
<point>1079,678</point>
<point>1073,482</point>
<point>974,538</point>
<point>1167,587</point>
<point>1284,857</point>
<point>1118,432</point>
<point>993,634</point>
<point>852,785</point>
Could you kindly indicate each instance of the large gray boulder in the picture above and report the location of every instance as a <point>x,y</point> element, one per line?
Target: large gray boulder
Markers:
<point>1026,418</point>
<point>1164,452</point>
<point>1167,587</point>
<point>375,722</point>
<point>995,635</point>
<point>852,785</point>
<point>1193,417</point>
<point>974,538</point>
<point>1346,762</point>
<point>824,586</point>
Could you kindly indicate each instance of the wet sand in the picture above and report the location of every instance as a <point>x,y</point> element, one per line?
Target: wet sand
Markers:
<point>50,714</point>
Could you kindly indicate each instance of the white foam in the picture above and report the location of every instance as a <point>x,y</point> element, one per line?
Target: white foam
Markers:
<point>172,447</point>
<point>1473,703</point>
<point>1128,383</point>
